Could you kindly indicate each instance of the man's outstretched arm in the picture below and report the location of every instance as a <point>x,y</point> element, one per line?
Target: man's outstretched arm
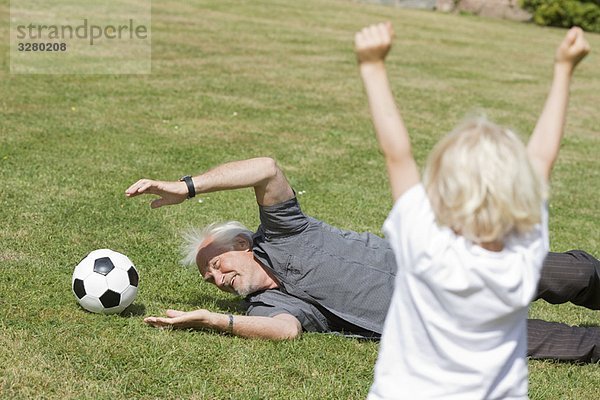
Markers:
<point>263,174</point>
<point>279,327</point>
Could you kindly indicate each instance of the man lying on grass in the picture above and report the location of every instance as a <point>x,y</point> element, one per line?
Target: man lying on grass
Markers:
<point>300,274</point>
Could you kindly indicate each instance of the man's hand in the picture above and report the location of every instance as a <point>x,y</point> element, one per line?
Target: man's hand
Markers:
<point>169,192</point>
<point>180,319</point>
<point>573,48</point>
<point>373,43</point>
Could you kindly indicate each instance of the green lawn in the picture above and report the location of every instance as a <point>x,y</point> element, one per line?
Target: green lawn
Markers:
<point>231,80</point>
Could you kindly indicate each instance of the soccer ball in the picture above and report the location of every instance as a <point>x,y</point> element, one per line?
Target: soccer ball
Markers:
<point>105,282</point>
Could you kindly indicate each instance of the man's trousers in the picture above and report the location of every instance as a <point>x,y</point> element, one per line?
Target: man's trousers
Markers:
<point>573,277</point>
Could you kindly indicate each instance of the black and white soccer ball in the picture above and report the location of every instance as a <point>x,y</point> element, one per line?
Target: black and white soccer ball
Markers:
<point>105,281</point>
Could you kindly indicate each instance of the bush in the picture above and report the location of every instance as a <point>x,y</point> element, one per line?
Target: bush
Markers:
<point>565,13</point>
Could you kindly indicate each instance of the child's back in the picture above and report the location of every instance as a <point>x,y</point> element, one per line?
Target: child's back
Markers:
<point>456,327</point>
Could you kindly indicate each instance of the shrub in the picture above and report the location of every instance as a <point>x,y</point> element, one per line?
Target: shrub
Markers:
<point>565,13</point>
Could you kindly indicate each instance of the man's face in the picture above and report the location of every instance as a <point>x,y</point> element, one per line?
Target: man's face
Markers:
<point>232,271</point>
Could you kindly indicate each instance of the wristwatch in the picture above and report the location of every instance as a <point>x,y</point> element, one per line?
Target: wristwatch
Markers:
<point>190,185</point>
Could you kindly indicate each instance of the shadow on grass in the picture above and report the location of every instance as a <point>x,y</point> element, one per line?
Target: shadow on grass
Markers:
<point>550,361</point>
<point>134,310</point>
<point>589,325</point>
<point>233,305</point>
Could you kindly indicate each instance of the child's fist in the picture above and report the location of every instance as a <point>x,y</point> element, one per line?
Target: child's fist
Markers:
<point>573,48</point>
<point>373,43</point>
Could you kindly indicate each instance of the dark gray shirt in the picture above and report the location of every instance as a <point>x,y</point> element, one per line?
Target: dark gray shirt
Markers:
<point>331,279</point>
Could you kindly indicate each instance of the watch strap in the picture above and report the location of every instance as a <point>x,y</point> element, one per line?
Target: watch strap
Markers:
<point>190,185</point>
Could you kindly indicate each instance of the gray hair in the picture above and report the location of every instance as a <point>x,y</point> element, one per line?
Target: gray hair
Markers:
<point>222,233</point>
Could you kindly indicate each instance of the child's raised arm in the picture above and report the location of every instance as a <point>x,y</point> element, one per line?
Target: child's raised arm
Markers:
<point>544,143</point>
<point>372,45</point>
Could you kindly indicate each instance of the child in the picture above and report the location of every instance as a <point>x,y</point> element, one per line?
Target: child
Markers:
<point>469,241</point>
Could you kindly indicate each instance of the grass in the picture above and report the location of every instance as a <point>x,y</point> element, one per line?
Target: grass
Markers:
<point>231,80</point>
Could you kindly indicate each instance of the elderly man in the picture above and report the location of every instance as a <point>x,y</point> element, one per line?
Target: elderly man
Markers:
<point>301,274</point>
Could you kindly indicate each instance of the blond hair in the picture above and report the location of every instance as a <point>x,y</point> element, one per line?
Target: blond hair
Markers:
<point>481,184</point>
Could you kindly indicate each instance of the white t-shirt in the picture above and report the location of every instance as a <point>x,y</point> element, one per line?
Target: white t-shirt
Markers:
<point>457,324</point>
